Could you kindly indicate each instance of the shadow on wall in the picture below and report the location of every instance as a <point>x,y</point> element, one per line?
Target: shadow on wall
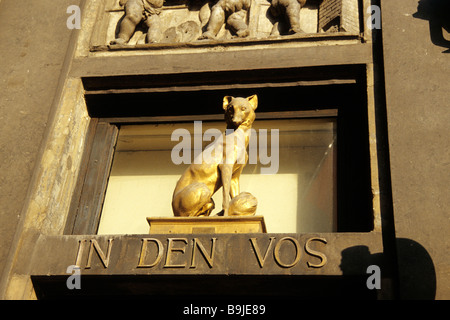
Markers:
<point>417,276</point>
<point>437,12</point>
<point>356,259</point>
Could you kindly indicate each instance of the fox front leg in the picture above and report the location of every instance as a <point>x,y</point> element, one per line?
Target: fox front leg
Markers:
<point>225,172</point>
<point>235,186</point>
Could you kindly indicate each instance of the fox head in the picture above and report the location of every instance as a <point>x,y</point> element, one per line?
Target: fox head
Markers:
<point>240,111</point>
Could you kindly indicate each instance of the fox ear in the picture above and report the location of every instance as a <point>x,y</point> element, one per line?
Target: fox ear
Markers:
<point>226,101</point>
<point>253,100</point>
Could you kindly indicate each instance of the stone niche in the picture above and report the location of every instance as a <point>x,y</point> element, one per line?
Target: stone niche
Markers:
<point>184,21</point>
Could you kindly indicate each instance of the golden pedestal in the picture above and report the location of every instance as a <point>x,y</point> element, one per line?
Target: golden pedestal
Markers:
<point>230,224</point>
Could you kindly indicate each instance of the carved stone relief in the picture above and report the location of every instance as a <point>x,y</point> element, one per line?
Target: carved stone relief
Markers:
<point>135,22</point>
<point>339,15</point>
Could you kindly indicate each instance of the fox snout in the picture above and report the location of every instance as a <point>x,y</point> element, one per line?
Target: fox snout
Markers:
<point>236,114</point>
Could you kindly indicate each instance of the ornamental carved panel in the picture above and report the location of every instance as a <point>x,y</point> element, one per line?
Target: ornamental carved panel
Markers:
<point>140,22</point>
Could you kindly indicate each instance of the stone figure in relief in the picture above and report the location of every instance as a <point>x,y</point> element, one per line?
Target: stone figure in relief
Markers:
<point>220,165</point>
<point>135,12</point>
<point>286,12</point>
<point>231,12</point>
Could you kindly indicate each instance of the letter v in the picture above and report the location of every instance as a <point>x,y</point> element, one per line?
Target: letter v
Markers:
<point>258,252</point>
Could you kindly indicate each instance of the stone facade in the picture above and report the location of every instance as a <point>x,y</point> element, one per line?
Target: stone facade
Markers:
<point>50,73</point>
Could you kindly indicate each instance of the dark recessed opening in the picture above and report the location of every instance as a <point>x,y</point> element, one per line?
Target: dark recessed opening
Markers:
<point>206,288</point>
<point>309,91</point>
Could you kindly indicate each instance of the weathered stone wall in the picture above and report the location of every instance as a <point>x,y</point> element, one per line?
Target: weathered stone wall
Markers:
<point>34,42</point>
<point>417,68</point>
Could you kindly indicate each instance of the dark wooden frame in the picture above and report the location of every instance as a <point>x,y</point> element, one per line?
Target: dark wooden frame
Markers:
<point>87,200</point>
